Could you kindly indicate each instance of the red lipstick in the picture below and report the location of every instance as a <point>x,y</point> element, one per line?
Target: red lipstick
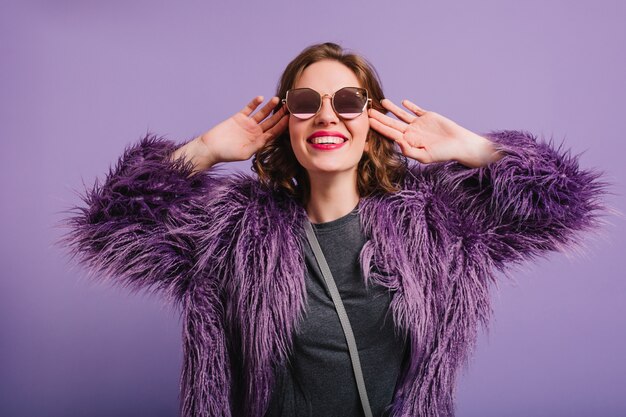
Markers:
<point>326,146</point>
<point>326,133</point>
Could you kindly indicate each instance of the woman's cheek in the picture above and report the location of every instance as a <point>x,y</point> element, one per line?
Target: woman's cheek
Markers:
<point>361,129</point>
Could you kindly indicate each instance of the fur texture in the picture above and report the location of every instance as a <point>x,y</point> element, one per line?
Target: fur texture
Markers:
<point>230,253</point>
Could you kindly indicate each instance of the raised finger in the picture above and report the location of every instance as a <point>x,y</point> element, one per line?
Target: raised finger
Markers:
<point>413,107</point>
<point>386,120</point>
<point>252,105</point>
<point>273,119</point>
<point>399,112</point>
<point>265,110</point>
<point>385,130</point>
<point>278,128</point>
<point>419,154</point>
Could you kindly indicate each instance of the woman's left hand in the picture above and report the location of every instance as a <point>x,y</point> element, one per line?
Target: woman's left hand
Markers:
<point>428,137</point>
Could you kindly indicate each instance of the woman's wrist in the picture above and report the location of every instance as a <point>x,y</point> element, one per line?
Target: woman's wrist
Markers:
<point>478,151</point>
<point>197,152</point>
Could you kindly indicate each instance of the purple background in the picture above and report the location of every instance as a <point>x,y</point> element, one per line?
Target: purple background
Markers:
<point>80,80</point>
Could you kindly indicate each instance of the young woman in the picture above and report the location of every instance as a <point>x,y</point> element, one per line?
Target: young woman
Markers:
<point>412,248</point>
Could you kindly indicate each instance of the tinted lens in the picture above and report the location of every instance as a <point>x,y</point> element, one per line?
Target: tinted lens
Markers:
<point>349,102</point>
<point>303,102</point>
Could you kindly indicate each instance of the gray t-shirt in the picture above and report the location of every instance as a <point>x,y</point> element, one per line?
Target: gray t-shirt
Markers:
<point>319,380</point>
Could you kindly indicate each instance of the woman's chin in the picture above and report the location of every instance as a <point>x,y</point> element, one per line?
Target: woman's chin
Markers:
<point>330,170</point>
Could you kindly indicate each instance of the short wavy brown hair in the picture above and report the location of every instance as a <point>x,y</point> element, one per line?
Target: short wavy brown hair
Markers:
<point>381,168</point>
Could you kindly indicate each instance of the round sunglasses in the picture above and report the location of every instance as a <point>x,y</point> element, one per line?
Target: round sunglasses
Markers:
<point>347,102</point>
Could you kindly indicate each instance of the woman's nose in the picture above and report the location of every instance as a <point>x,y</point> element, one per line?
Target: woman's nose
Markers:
<point>327,113</point>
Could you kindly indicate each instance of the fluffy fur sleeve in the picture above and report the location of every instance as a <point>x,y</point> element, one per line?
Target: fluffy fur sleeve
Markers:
<point>139,226</point>
<point>534,199</point>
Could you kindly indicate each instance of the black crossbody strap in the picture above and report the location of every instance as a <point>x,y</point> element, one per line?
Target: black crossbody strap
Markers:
<point>343,317</point>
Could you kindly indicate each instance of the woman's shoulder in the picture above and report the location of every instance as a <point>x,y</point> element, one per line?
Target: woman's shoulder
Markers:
<point>417,208</point>
<point>243,198</point>
<point>243,214</point>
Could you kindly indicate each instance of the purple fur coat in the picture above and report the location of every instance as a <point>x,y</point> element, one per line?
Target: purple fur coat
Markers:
<point>229,253</point>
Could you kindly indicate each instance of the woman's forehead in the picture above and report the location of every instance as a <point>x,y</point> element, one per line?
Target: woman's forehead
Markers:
<point>327,76</point>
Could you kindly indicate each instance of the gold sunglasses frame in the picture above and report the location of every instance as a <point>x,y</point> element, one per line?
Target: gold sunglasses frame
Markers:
<point>368,102</point>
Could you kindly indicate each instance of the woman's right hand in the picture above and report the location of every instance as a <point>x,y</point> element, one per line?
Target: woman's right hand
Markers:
<point>236,138</point>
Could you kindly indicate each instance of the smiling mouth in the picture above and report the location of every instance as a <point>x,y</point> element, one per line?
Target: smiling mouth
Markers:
<point>327,140</point>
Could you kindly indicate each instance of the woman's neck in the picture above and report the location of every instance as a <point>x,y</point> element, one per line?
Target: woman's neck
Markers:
<point>332,196</point>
